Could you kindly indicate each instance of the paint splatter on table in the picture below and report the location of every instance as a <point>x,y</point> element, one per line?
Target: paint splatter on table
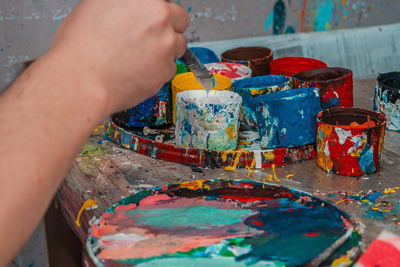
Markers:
<point>107,173</point>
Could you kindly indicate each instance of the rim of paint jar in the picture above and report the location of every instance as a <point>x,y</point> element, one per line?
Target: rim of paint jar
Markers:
<point>389,80</point>
<point>228,97</point>
<point>349,115</point>
<point>187,81</point>
<point>198,51</point>
<point>180,67</point>
<point>243,71</point>
<point>280,65</point>
<point>260,82</point>
<point>323,75</point>
<point>247,53</point>
<point>286,94</point>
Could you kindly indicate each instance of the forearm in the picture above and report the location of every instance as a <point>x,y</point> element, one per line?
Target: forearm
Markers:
<point>45,118</point>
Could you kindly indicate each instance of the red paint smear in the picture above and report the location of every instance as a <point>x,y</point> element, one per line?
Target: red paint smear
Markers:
<point>258,223</point>
<point>311,234</point>
<point>243,185</point>
<point>381,253</point>
<point>303,14</point>
<point>247,199</point>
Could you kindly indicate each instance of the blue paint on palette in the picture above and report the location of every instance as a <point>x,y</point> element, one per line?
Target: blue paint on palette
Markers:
<point>288,118</point>
<point>251,88</point>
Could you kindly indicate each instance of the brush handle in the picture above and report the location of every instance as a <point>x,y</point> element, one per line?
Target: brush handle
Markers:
<point>202,74</point>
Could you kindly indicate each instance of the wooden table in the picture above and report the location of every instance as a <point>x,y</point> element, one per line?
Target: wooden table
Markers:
<point>105,172</point>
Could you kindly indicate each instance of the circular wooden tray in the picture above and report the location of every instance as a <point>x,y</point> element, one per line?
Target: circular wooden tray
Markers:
<point>205,158</point>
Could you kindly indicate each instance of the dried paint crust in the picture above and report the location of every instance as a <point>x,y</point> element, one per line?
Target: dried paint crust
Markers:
<point>220,223</point>
<point>290,65</point>
<point>387,98</point>
<point>350,141</point>
<point>335,85</point>
<point>205,158</point>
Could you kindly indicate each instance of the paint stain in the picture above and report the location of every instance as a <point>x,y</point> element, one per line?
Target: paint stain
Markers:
<point>88,204</point>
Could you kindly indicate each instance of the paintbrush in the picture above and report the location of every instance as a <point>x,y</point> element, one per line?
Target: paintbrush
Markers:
<point>202,74</point>
<point>329,250</point>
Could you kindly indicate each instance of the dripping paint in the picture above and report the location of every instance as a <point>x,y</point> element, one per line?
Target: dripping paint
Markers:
<point>387,98</point>
<point>335,85</point>
<point>207,120</point>
<point>252,88</point>
<point>350,141</point>
<point>220,222</point>
<point>287,118</point>
<point>187,81</point>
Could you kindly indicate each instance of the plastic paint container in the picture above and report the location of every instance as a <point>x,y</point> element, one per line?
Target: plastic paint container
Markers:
<point>335,85</point>
<point>205,55</point>
<point>350,140</point>
<point>207,122</point>
<point>233,71</point>
<point>287,118</point>
<point>255,57</point>
<point>290,65</point>
<point>187,81</point>
<point>387,98</point>
<point>251,88</point>
<point>153,112</point>
<point>181,67</point>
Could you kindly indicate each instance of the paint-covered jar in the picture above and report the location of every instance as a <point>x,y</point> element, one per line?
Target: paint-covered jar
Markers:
<point>350,140</point>
<point>290,65</point>
<point>287,118</point>
<point>153,112</point>
<point>387,98</point>
<point>187,81</point>
<point>207,121</point>
<point>251,88</point>
<point>233,71</point>
<point>255,57</point>
<point>335,85</point>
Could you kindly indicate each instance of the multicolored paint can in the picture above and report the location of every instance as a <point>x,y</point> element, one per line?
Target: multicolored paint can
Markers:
<point>233,71</point>
<point>221,222</point>
<point>255,57</point>
<point>251,88</point>
<point>287,118</point>
<point>187,81</point>
<point>335,85</point>
<point>350,140</point>
<point>387,98</point>
<point>153,112</point>
<point>207,121</point>
<point>290,65</point>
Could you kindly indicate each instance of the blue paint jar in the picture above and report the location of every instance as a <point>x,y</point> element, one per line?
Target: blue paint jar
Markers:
<point>288,118</point>
<point>153,112</point>
<point>205,55</point>
<point>250,89</point>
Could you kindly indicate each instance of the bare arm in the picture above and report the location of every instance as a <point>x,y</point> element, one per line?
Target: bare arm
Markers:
<point>107,56</point>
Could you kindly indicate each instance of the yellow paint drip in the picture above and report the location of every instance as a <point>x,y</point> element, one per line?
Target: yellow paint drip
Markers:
<point>88,204</point>
<point>235,163</point>
<point>391,190</point>
<point>251,168</point>
<point>194,185</point>
<point>273,170</point>
<point>231,131</point>
<point>289,175</point>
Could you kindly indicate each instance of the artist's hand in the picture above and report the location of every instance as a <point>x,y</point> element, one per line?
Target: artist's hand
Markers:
<point>126,48</point>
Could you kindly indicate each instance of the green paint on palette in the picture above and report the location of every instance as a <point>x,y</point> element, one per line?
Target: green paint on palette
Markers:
<point>200,217</point>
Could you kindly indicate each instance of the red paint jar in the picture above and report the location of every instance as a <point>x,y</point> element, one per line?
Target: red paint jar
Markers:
<point>290,65</point>
<point>350,140</point>
<point>256,57</point>
<point>335,85</point>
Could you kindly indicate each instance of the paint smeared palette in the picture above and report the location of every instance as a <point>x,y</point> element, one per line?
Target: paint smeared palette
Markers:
<point>249,155</point>
<point>221,223</point>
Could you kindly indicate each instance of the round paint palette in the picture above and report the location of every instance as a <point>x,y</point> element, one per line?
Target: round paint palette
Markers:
<point>220,223</point>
